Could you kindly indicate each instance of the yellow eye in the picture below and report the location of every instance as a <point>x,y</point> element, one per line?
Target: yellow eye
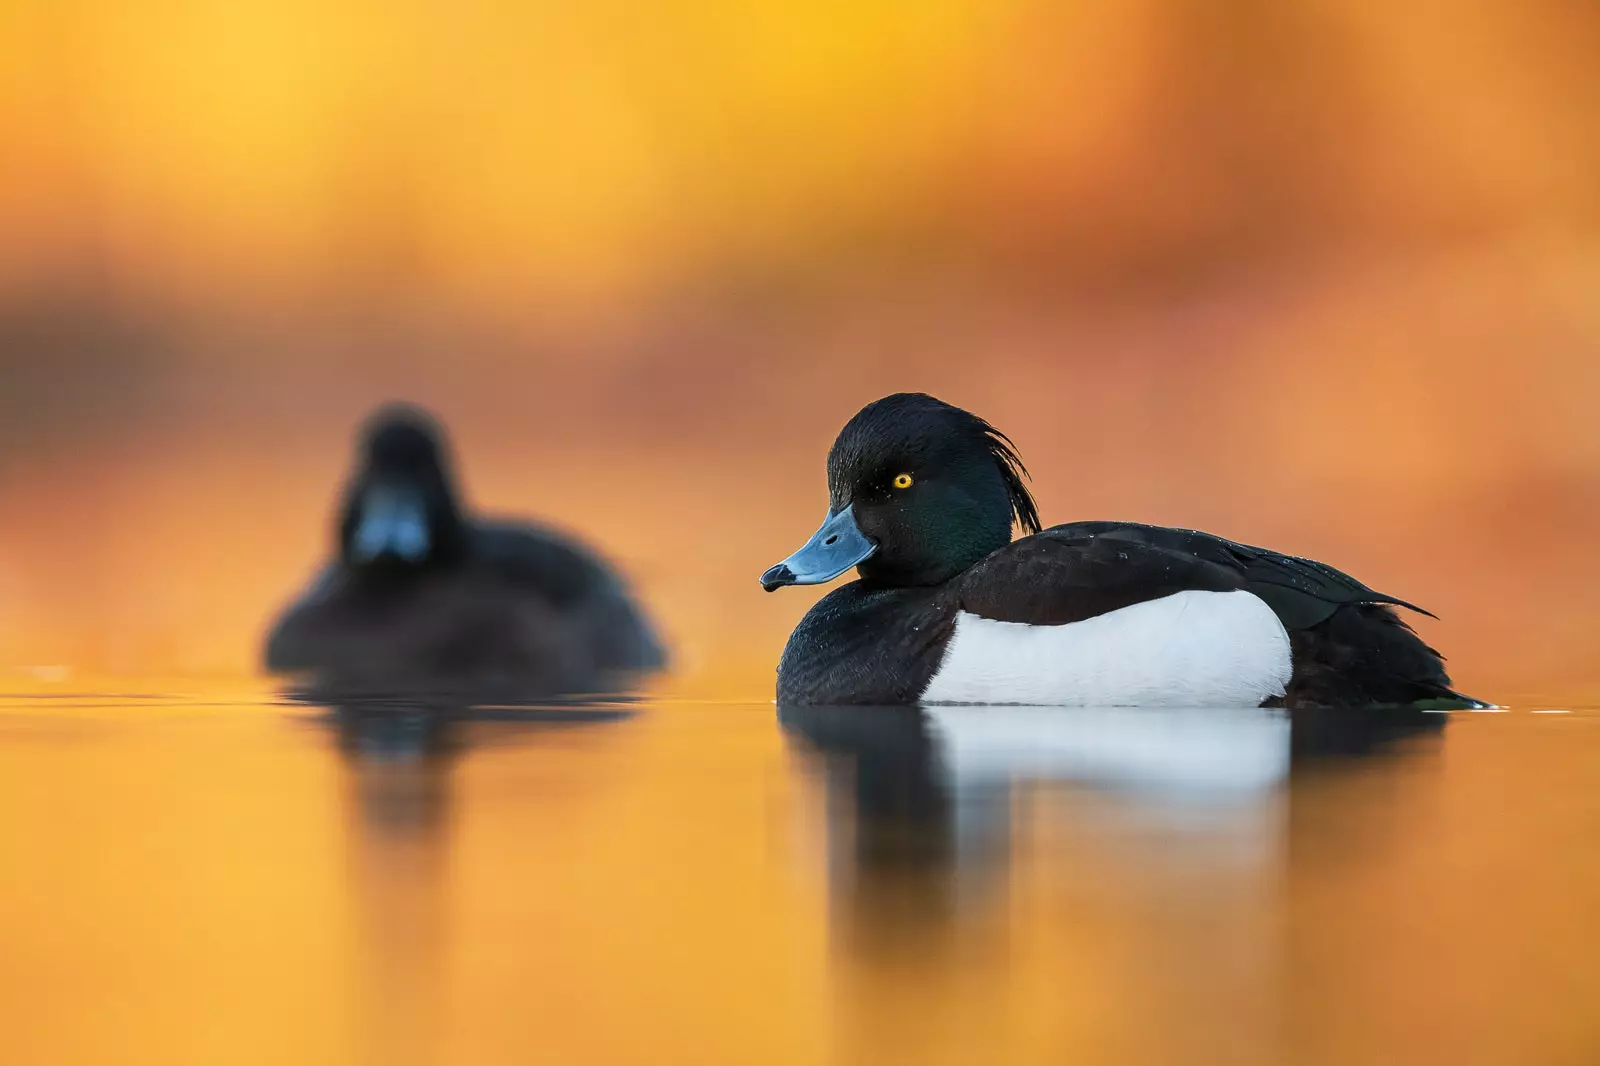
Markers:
<point>902,481</point>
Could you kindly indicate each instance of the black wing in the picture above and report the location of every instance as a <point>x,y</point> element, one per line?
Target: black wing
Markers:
<point>1303,592</point>
<point>564,572</point>
<point>1060,576</point>
<point>555,565</point>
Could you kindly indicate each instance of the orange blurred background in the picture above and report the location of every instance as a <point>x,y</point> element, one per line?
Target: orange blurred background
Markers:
<point>1323,275</point>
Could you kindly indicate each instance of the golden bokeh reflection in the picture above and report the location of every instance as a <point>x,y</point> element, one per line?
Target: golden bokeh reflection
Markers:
<point>199,879</point>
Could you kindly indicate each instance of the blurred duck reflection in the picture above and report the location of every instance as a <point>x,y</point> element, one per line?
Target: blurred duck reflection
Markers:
<point>402,754</point>
<point>421,595</point>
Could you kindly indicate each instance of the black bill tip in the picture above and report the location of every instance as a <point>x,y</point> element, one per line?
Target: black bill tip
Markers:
<point>777,577</point>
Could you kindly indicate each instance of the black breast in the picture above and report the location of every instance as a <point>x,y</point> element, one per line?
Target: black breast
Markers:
<point>866,645</point>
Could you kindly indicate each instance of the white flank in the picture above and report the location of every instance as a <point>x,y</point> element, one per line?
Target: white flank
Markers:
<point>1189,649</point>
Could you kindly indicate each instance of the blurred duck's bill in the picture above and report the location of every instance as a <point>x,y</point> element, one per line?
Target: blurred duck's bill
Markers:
<point>832,550</point>
<point>392,522</point>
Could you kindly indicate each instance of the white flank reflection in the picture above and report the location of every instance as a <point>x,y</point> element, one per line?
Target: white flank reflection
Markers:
<point>1193,753</point>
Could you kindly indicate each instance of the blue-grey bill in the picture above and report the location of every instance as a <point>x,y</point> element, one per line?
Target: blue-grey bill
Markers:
<point>393,521</point>
<point>833,549</point>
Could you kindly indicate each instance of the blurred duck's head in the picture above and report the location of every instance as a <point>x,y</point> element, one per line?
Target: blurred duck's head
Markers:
<point>400,509</point>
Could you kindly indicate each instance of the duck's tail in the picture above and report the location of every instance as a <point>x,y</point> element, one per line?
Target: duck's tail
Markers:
<point>1366,655</point>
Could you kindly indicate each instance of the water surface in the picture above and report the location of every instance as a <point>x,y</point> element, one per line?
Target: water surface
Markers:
<point>204,874</point>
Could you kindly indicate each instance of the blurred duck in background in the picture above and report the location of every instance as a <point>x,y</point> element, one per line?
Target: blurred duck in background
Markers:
<point>949,609</point>
<point>424,594</point>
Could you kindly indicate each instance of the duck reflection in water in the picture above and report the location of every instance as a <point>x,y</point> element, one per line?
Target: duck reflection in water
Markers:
<point>402,750</point>
<point>920,801</point>
<point>402,754</point>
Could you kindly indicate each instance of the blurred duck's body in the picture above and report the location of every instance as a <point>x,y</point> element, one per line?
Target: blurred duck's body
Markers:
<point>950,610</point>
<point>423,594</point>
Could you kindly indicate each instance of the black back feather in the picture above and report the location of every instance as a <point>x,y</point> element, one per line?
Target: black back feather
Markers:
<point>1304,592</point>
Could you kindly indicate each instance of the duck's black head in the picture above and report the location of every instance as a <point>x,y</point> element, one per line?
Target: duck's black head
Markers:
<point>918,491</point>
<point>400,509</point>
